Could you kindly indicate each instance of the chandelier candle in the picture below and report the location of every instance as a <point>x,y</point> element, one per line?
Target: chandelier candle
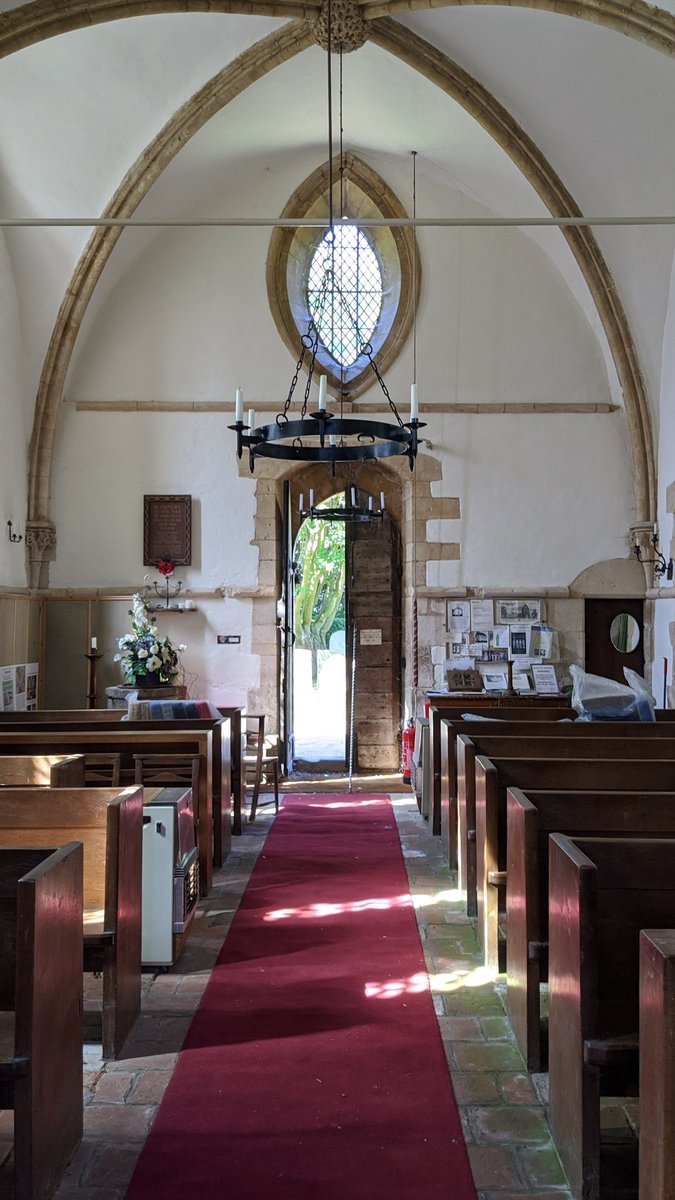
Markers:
<point>238,405</point>
<point>322,393</point>
<point>413,402</point>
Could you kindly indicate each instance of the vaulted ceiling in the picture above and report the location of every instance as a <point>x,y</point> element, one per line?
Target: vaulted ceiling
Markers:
<point>83,97</point>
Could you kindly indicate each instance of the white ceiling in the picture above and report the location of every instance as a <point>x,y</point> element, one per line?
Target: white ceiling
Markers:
<point>78,110</point>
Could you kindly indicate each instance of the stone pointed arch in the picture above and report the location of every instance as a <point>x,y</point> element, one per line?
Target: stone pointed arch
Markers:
<point>366,194</point>
<point>33,22</point>
<point>250,66</point>
<point>481,105</point>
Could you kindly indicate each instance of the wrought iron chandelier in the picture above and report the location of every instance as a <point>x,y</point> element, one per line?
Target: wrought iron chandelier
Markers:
<point>320,435</point>
<point>352,512</point>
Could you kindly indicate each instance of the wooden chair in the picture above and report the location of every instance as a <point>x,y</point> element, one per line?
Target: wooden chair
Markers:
<point>168,769</point>
<point>260,766</point>
<point>102,770</point>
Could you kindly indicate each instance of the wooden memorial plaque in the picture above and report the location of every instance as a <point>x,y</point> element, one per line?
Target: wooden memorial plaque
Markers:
<point>167,530</point>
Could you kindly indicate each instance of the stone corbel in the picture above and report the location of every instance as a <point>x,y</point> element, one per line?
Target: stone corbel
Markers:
<point>641,535</point>
<point>40,551</point>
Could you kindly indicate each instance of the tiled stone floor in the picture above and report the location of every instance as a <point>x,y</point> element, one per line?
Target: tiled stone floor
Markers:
<point>511,1151</point>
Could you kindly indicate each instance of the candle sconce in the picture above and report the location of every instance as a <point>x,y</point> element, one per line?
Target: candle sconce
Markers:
<point>166,590</point>
<point>13,537</point>
<point>661,567</point>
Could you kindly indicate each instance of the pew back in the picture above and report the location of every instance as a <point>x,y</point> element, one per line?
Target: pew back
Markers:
<point>500,707</point>
<point>493,776</point>
<point>602,893</point>
<point>42,770</point>
<point>457,786</point>
<point>40,958</point>
<point>148,737</point>
<point>108,822</point>
<point>531,818</point>
<point>657,1064</point>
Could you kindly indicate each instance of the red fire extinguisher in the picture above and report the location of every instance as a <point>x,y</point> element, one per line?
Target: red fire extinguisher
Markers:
<point>407,747</point>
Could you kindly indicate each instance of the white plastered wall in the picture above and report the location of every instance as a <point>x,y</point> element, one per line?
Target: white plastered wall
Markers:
<point>542,496</point>
<point>664,609</point>
<point>13,436</point>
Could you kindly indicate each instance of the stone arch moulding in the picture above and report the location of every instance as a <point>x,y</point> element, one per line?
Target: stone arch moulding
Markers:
<point>366,194</point>
<point>30,23</point>
<point>279,47</point>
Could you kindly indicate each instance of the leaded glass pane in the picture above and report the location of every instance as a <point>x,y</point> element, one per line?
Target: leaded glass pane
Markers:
<point>344,292</point>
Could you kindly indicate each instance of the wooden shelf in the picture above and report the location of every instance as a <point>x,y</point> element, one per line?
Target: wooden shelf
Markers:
<point>161,608</point>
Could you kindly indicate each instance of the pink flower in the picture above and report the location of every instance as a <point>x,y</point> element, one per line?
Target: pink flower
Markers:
<point>165,567</point>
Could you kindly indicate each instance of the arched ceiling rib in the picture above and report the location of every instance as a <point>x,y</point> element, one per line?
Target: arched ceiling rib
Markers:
<point>252,65</point>
<point>468,92</point>
<point>24,25</point>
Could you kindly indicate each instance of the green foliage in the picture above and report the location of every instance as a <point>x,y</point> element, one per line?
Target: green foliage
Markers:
<point>320,587</point>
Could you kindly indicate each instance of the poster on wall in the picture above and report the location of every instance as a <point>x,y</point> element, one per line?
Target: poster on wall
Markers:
<point>7,682</point>
<point>511,612</point>
<point>31,686</point>
<point>457,617</point>
<point>20,687</point>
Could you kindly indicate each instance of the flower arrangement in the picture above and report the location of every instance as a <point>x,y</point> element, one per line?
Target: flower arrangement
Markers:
<point>142,652</point>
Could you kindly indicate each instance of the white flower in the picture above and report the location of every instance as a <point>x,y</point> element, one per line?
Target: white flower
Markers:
<point>154,663</point>
<point>142,653</point>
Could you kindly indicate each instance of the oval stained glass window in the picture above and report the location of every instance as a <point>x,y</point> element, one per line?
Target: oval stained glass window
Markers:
<point>344,292</point>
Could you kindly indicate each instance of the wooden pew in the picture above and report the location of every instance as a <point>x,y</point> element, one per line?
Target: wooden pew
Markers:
<point>602,893</point>
<point>494,776</point>
<point>144,737</point>
<point>582,740</point>
<point>531,818</point>
<point>108,822</point>
<point>225,775</point>
<point>227,805</point>
<point>657,1064</point>
<point>41,1011</point>
<point>457,780</point>
<point>514,708</point>
<point>42,770</point>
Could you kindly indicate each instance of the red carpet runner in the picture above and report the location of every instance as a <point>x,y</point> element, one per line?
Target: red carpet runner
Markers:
<point>314,1068</point>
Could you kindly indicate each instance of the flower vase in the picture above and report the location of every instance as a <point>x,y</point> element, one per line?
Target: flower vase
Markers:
<point>151,679</point>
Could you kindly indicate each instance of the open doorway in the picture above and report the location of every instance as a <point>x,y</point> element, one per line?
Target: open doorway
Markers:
<point>319,647</point>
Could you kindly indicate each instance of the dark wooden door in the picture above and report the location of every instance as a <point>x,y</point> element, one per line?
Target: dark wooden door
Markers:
<point>612,640</point>
<point>374,632</point>
<point>285,625</point>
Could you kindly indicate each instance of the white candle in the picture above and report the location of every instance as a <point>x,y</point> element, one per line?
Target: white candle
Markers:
<point>238,405</point>
<point>353,496</point>
<point>311,497</point>
<point>322,393</point>
<point>301,502</point>
<point>331,439</point>
<point>413,402</point>
<point>370,503</point>
<point>382,501</point>
<point>94,644</point>
<point>251,418</point>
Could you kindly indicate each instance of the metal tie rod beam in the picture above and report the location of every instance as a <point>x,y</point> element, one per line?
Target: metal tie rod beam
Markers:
<point>322,222</point>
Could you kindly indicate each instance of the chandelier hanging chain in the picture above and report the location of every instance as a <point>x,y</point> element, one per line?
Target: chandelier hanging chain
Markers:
<point>321,436</point>
<point>414,265</point>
